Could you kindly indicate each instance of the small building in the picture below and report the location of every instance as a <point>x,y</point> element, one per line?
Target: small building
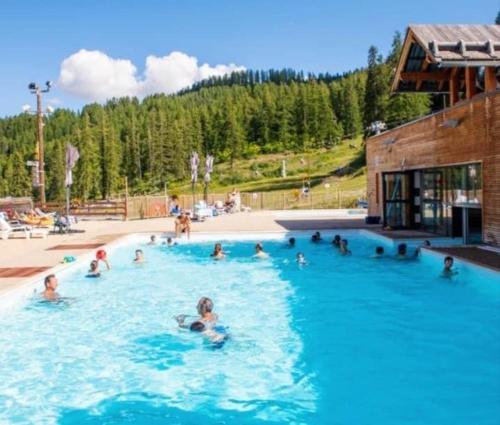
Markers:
<point>441,173</point>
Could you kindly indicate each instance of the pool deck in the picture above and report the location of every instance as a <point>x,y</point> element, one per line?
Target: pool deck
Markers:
<point>22,259</point>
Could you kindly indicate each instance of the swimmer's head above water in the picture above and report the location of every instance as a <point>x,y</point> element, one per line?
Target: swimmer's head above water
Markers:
<point>205,305</point>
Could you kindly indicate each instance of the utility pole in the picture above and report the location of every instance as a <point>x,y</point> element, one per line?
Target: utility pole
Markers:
<point>36,90</point>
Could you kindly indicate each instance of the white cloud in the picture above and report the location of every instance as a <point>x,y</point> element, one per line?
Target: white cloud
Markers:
<point>93,75</point>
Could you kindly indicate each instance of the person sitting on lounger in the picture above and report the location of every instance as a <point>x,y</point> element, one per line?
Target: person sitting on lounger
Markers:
<point>218,253</point>
<point>94,269</point>
<point>183,225</point>
<point>343,247</point>
<point>259,252</point>
<point>448,267</point>
<point>139,256</point>
<point>51,284</point>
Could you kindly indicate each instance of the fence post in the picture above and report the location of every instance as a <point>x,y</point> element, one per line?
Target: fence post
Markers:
<point>283,200</point>
<point>340,199</point>
<point>166,200</point>
<point>261,200</point>
<point>311,198</point>
<point>126,199</point>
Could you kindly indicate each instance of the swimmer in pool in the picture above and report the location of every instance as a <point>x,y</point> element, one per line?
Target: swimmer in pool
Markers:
<point>94,269</point>
<point>205,311</point>
<point>316,237</point>
<point>139,256</point>
<point>425,244</point>
<point>215,335</point>
<point>218,253</point>
<point>51,284</point>
<point>291,243</point>
<point>152,241</point>
<point>402,252</point>
<point>301,260</point>
<point>379,252</point>
<point>336,241</point>
<point>259,252</point>
<point>448,267</point>
<point>343,247</point>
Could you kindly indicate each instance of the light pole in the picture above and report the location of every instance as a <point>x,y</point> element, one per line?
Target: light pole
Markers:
<point>36,90</point>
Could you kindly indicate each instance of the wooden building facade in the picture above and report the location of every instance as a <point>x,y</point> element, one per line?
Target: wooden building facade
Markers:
<point>441,173</point>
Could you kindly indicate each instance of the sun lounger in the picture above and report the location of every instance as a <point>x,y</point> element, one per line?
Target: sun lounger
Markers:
<point>13,229</point>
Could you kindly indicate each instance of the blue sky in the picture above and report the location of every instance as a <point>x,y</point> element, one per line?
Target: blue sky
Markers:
<point>316,36</point>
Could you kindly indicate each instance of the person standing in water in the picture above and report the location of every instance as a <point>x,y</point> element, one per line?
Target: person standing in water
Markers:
<point>343,247</point>
<point>448,267</point>
<point>51,285</point>
<point>152,240</point>
<point>218,253</point>
<point>94,269</point>
<point>259,252</point>
<point>379,252</point>
<point>139,256</point>
<point>336,241</point>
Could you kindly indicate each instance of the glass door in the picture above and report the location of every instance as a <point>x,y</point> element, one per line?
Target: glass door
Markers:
<point>397,200</point>
<point>432,201</point>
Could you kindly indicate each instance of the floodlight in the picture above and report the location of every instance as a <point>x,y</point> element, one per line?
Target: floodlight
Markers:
<point>32,86</point>
<point>48,84</point>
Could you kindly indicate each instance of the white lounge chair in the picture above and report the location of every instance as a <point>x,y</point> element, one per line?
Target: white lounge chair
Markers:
<point>7,229</point>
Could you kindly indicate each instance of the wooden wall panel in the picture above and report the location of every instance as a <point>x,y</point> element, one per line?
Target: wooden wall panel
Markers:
<point>428,143</point>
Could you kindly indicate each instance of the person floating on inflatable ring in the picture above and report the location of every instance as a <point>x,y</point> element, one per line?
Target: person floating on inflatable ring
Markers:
<point>101,255</point>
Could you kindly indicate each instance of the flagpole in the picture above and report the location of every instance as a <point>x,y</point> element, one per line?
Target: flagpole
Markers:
<point>67,199</point>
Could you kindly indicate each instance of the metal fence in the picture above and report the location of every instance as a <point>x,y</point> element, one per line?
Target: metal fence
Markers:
<point>154,206</point>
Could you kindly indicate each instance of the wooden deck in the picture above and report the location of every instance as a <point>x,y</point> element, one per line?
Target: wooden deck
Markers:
<point>405,234</point>
<point>481,257</point>
<point>21,271</point>
<point>67,247</point>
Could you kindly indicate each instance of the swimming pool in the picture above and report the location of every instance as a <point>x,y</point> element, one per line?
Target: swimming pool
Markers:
<point>343,340</point>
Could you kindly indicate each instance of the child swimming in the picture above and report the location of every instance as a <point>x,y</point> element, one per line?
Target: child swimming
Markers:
<point>94,270</point>
<point>139,256</point>
<point>448,267</point>
<point>343,247</point>
<point>301,259</point>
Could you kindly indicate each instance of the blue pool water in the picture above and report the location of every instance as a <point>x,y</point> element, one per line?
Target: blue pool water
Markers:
<point>343,340</point>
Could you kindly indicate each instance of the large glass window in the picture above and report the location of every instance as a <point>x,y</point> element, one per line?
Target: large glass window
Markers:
<point>396,197</point>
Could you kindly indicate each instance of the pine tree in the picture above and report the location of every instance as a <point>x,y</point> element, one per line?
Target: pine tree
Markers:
<point>497,20</point>
<point>377,88</point>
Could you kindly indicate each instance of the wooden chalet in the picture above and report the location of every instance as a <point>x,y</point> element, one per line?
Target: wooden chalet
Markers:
<point>441,173</point>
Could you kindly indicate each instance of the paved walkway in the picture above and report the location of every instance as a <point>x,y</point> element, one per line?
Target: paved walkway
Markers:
<point>23,258</point>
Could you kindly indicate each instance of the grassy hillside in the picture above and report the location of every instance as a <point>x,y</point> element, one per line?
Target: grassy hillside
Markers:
<point>342,166</point>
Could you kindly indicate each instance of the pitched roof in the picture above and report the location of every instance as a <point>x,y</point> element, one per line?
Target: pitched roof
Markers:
<point>431,54</point>
<point>451,43</point>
